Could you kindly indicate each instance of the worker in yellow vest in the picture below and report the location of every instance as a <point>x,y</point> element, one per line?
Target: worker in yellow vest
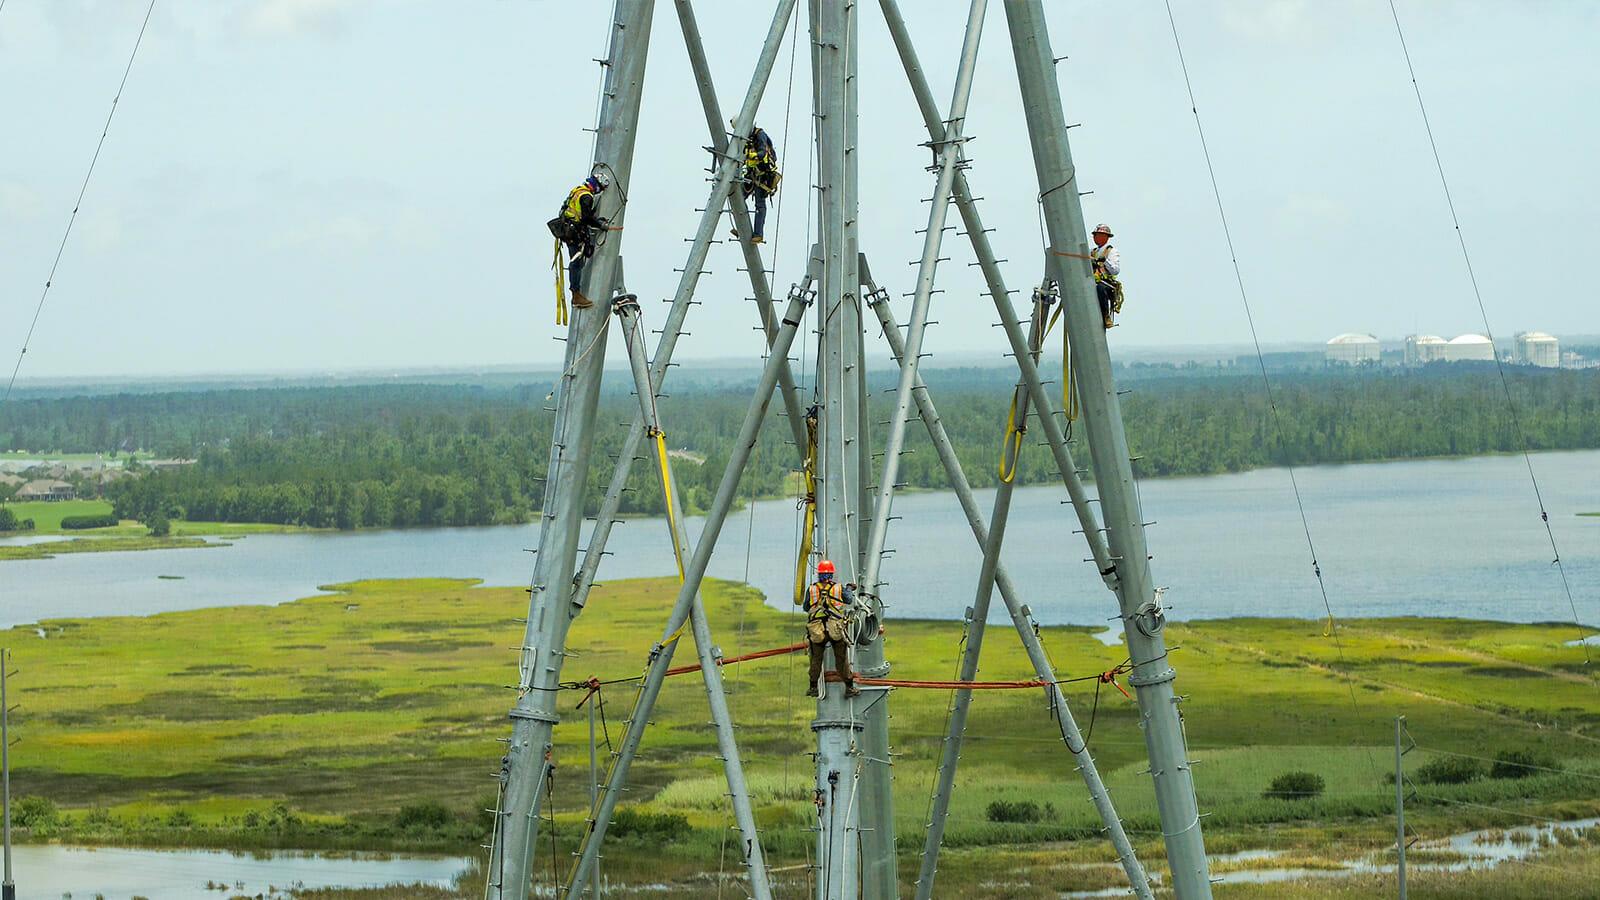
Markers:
<point>827,605</point>
<point>577,227</point>
<point>1107,266</point>
<point>761,177</point>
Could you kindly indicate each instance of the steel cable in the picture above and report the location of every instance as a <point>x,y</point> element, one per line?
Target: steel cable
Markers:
<point>1266,380</point>
<point>1483,312</point>
<point>82,190</point>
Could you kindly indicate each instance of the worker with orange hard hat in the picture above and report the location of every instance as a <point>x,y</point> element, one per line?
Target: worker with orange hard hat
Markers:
<point>827,604</point>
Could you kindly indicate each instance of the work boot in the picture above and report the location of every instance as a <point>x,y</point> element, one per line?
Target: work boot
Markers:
<point>850,690</point>
<point>579,301</point>
<point>812,690</point>
<point>758,239</point>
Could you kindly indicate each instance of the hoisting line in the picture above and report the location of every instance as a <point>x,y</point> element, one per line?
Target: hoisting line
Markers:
<point>666,495</point>
<point>946,685</point>
<point>83,189</point>
<point>746,657</point>
<point>1511,406</point>
<point>1069,390</point>
<point>808,502</point>
<point>561,285</point>
<point>1011,446</point>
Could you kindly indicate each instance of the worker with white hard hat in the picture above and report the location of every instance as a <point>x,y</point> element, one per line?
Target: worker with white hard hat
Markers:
<point>1107,266</point>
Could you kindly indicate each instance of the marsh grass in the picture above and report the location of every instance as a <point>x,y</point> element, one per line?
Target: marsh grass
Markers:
<point>343,708</point>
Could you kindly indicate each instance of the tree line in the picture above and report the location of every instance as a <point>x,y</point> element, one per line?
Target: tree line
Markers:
<point>435,455</point>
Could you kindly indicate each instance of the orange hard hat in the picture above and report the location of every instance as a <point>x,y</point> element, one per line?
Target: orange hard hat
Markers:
<point>825,567</point>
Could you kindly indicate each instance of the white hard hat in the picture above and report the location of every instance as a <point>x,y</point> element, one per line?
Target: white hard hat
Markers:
<point>1103,228</point>
<point>603,176</point>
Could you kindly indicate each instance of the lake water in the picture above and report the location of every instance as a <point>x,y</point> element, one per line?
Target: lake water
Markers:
<point>119,872</point>
<point>1423,538</point>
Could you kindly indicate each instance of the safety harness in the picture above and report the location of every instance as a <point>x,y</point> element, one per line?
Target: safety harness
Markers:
<point>567,230</point>
<point>825,600</point>
<point>760,166</point>
<point>1097,256</point>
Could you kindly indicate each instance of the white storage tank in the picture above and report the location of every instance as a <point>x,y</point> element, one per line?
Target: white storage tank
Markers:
<point>1535,348</point>
<point>1422,349</point>
<point>1469,346</point>
<point>1353,349</point>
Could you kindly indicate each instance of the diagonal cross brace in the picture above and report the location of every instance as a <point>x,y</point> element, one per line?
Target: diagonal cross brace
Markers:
<point>1043,668</point>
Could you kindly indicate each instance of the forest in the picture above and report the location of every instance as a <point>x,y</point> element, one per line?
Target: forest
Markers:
<point>403,455</point>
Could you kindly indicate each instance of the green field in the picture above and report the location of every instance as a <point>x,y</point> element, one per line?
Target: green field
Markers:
<point>127,535</point>
<point>338,710</point>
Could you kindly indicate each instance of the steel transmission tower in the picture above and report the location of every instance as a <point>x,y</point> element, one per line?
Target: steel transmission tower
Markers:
<point>855,855</point>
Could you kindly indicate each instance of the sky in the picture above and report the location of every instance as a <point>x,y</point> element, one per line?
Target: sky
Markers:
<point>326,185</point>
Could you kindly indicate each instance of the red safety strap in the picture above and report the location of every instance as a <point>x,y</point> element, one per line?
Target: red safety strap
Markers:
<point>946,685</point>
<point>759,654</point>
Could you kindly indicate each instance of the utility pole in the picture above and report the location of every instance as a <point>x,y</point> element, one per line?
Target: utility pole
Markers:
<point>8,889</point>
<point>1143,618</point>
<point>526,766</point>
<point>1400,805</point>
<point>841,461</point>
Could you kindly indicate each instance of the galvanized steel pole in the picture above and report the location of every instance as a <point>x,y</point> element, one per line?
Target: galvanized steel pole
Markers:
<point>839,722</point>
<point>1143,618</point>
<point>1021,619</point>
<point>550,606</point>
<point>694,573</point>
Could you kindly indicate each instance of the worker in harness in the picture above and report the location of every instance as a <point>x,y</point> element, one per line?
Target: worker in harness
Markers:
<point>1107,266</point>
<point>827,605</point>
<point>577,226</point>
<point>761,177</point>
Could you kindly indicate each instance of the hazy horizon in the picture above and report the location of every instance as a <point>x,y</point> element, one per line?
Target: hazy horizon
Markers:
<point>342,185</point>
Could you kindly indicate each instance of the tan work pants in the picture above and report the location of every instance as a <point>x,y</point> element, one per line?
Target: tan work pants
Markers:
<point>822,635</point>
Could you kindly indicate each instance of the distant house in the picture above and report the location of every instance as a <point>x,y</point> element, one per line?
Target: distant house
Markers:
<point>161,465</point>
<point>45,489</point>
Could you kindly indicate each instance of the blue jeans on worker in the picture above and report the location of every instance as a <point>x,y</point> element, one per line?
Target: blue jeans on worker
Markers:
<point>575,269</point>
<point>761,212</point>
